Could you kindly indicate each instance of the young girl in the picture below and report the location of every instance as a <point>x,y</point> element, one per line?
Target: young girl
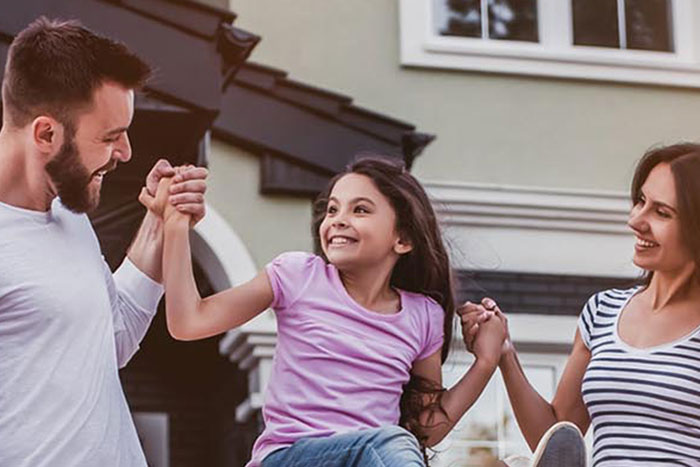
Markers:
<point>362,329</point>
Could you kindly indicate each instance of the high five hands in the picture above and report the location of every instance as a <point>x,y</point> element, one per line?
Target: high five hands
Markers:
<point>485,330</point>
<point>171,190</point>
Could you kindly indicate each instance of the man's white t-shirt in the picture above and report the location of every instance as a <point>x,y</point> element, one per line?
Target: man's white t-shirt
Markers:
<point>66,326</point>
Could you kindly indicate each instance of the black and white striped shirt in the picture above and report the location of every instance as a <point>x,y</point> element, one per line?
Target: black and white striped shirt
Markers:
<point>644,403</point>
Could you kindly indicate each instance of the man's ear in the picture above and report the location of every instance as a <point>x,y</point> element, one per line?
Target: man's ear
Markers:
<point>402,246</point>
<point>47,135</point>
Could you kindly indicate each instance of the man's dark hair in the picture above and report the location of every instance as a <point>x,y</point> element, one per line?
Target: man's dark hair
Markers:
<point>53,67</point>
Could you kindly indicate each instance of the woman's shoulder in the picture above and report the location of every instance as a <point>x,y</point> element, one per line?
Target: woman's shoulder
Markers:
<point>616,295</point>
<point>609,300</point>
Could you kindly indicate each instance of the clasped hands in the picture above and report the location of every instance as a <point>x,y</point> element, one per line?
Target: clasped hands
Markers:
<point>172,190</point>
<point>485,330</point>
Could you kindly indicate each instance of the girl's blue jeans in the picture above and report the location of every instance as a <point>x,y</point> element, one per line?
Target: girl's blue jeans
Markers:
<point>389,446</point>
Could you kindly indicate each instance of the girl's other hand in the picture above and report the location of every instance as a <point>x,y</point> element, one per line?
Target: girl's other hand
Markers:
<point>491,305</point>
<point>472,316</point>
<point>488,343</point>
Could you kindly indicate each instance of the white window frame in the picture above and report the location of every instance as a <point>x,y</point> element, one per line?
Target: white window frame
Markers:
<point>544,340</point>
<point>554,55</point>
<point>461,360</point>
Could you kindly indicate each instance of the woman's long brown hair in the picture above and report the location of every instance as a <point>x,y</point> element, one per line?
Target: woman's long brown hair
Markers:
<point>425,269</point>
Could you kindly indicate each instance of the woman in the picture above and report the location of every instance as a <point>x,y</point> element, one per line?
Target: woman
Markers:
<point>634,371</point>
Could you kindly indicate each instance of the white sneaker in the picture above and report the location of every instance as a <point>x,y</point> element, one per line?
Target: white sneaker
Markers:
<point>517,461</point>
<point>561,446</point>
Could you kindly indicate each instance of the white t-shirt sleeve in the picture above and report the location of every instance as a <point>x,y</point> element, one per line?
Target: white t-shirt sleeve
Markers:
<point>134,298</point>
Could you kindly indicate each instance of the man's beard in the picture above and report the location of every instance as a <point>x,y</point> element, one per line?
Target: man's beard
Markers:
<point>72,179</point>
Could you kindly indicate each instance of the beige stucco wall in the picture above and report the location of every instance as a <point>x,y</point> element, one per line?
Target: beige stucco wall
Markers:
<point>499,129</point>
<point>267,225</point>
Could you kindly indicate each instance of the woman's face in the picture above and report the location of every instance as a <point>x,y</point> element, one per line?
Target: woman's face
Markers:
<point>654,221</point>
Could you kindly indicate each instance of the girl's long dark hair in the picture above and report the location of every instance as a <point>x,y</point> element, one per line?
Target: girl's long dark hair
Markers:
<point>684,160</point>
<point>425,269</point>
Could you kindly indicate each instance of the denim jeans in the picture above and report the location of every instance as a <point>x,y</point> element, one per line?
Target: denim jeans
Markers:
<point>389,446</point>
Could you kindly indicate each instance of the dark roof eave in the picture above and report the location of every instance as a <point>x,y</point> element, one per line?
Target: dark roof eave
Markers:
<point>279,125</point>
<point>162,40</point>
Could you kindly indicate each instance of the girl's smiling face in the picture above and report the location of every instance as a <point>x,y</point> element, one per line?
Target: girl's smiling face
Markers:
<point>359,227</point>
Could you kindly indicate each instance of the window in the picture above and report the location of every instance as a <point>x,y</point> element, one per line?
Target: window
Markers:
<point>489,431</point>
<point>624,24</point>
<point>647,41</point>
<point>505,20</point>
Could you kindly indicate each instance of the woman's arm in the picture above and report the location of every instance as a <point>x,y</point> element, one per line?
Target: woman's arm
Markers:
<point>533,413</point>
<point>459,398</point>
<point>189,316</point>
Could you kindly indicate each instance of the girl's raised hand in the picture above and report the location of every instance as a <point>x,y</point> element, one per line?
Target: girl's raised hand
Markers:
<point>157,203</point>
<point>164,201</point>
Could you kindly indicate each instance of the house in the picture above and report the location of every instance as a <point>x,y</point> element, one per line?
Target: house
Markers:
<point>540,108</point>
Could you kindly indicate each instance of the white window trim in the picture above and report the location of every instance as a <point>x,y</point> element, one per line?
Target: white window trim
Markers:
<point>553,55</point>
<point>535,230</point>
<point>460,359</point>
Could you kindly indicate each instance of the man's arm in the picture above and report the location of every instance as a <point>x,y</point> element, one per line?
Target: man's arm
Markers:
<point>146,251</point>
<point>186,194</point>
<point>135,288</point>
<point>134,299</point>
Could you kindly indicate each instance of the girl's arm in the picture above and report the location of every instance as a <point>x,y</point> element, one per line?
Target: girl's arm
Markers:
<point>534,414</point>
<point>189,316</point>
<point>460,397</point>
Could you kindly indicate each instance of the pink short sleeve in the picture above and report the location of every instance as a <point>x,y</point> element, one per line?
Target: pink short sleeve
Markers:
<point>435,333</point>
<point>289,274</point>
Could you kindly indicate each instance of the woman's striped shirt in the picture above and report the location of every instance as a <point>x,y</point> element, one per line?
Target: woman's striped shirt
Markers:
<point>644,403</point>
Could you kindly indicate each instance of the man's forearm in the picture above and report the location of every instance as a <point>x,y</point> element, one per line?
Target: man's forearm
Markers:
<point>146,251</point>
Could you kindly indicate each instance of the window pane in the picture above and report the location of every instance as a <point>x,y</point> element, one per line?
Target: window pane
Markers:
<point>649,25</point>
<point>514,20</point>
<point>458,17</point>
<point>595,23</point>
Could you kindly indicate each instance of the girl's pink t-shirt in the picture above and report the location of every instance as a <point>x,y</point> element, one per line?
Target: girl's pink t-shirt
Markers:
<point>338,367</point>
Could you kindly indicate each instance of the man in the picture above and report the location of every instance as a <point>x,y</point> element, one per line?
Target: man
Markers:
<point>66,323</point>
